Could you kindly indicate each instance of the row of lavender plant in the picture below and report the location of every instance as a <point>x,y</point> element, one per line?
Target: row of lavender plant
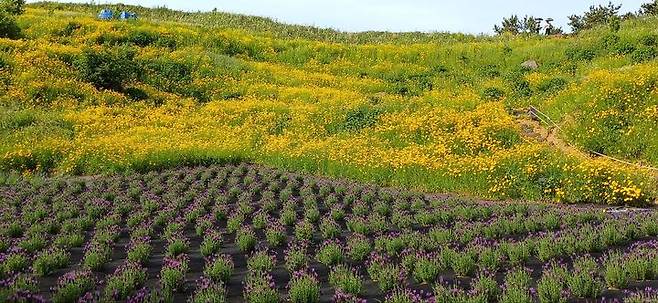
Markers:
<point>398,240</point>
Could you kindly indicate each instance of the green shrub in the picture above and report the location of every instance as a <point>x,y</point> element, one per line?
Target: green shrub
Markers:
<point>643,54</point>
<point>519,85</point>
<point>69,29</point>
<point>552,85</point>
<point>357,119</point>
<point>8,27</point>
<point>624,48</point>
<point>615,274</point>
<point>72,286</point>
<point>125,280</point>
<point>580,54</point>
<point>50,260</point>
<point>261,261</point>
<point>346,279</point>
<point>107,68</point>
<point>143,38</point>
<point>219,269</point>
<point>649,40</point>
<point>209,292</point>
<point>304,288</point>
<point>166,74</point>
<point>14,7</point>
<point>330,253</point>
<point>584,282</point>
<point>258,288</point>
<point>492,94</point>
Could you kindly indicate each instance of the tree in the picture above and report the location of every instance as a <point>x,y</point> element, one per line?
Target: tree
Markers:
<point>531,25</point>
<point>511,25</point>
<point>597,15</point>
<point>14,7</point>
<point>528,25</point>
<point>649,8</point>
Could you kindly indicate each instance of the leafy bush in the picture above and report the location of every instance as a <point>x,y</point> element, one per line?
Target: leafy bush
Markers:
<point>304,288</point>
<point>14,7</point>
<point>125,280</point>
<point>520,87</point>
<point>107,68</point>
<point>73,285</point>
<point>50,260</point>
<point>643,53</point>
<point>166,74</point>
<point>346,279</point>
<point>144,38</point>
<point>649,40</point>
<point>580,54</point>
<point>246,239</point>
<point>492,94</point>
<point>330,253</point>
<point>209,292</point>
<point>8,27</point>
<point>358,119</point>
<point>260,288</point>
<point>584,282</point>
<point>261,261</point>
<point>552,85</point>
<point>615,274</point>
<point>219,269</point>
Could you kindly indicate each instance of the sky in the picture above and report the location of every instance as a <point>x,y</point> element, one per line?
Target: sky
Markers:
<point>468,16</point>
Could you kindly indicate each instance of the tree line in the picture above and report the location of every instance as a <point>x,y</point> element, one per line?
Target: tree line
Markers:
<point>596,15</point>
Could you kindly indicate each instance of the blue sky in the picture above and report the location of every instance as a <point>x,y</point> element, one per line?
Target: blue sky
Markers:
<point>471,16</point>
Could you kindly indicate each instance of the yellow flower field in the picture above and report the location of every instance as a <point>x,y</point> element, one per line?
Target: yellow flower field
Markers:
<point>433,115</point>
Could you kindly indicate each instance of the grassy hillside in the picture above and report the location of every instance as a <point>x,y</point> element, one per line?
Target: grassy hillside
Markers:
<point>434,112</point>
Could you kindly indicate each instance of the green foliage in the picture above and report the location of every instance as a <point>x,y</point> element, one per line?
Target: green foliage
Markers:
<point>580,53</point>
<point>615,274</point>
<point>144,38</point>
<point>304,289</point>
<point>584,282</point>
<point>107,68</point>
<point>8,27</point>
<point>597,15</point>
<point>245,239</point>
<point>330,254</point>
<point>140,253</point>
<point>49,261</point>
<point>82,283</point>
<point>643,54</point>
<point>359,118</point>
<point>212,293</point>
<point>167,75</point>
<point>14,7</point>
<point>347,280</point>
<point>261,261</point>
<point>518,84</point>
<point>124,282</point>
<point>650,8</point>
<point>528,25</point>
<point>492,94</point>
<point>552,85</point>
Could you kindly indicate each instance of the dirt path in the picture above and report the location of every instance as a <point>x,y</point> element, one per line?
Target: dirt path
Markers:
<point>532,128</point>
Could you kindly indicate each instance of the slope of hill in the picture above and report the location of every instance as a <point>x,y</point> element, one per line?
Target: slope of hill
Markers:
<point>437,112</point>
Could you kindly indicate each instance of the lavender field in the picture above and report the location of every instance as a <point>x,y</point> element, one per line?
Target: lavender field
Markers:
<point>246,233</point>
